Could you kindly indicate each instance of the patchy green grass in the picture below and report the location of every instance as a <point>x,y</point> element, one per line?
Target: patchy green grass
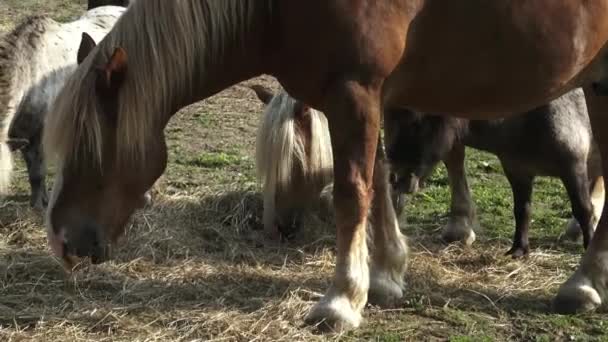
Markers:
<point>194,266</point>
<point>215,160</point>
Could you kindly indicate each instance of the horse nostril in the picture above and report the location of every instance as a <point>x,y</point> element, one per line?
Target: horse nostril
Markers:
<point>87,242</point>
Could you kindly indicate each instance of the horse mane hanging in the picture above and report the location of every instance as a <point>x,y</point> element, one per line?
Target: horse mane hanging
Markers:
<point>173,34</point>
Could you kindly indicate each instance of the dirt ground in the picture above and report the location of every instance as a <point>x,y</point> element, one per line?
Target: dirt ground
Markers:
<point>194,266</point>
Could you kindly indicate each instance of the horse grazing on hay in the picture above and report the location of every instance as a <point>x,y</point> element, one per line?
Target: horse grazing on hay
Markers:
<point>294,161</point>
<point>551,140</point>
<point>107,123</point>
<point>35,60</point>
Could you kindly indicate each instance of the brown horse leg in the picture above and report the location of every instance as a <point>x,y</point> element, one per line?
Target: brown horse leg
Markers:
<point>462,209</point>
<point>588,286</point>
<point>389,249</point>
<point>354,120</point>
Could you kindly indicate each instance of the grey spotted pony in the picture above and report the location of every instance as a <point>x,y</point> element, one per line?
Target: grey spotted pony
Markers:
<point>36,58</point>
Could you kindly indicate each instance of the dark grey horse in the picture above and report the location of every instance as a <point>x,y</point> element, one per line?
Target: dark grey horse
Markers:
<point>553,140</point>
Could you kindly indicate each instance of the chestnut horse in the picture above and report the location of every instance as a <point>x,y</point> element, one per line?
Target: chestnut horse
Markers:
<point>483,58</point>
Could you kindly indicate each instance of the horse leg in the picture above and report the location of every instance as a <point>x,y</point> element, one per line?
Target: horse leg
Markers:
<point>577,186</point>
<point>521,185</point>
<point>36,170</point>
<point>389,246</point>
<point>588,286</point>
<point>596,180</point>
<point>596,193</point>
<point>462,210</point>
<point>354,120</point>
<point>270,214</point>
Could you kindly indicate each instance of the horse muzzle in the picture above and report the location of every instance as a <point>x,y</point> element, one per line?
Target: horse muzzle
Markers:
<point>73,244</point>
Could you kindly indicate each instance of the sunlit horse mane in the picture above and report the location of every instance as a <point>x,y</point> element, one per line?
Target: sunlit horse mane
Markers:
<point>167,43</point>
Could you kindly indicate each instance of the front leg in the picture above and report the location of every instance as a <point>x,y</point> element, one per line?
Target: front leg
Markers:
<point>462,210</point>
<point>354,116</point>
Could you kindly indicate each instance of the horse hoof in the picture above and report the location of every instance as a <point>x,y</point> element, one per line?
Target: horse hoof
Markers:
<point>458,233</point>
<point>384,291</point>
<point>518,252</point>
<point>576,296</point>
<point>334,315</point>
<point>573,230</point>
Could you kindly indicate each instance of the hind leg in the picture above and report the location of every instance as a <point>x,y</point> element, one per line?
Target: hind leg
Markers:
<point>521,185</point>
<point>588,286</point>
<point>36,170</point>
<point>388,245</point>
<point>577,186</point>
<point>462,210</point>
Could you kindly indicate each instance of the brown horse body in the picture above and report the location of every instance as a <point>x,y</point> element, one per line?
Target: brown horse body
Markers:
<point>482,58</point>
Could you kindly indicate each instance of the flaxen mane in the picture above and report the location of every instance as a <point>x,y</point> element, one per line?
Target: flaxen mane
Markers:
<point>284,157</point>
<point>168,44</point>
<point>16,77</point>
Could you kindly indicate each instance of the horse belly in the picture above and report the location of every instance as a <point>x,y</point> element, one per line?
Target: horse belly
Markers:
<point>488,59</point>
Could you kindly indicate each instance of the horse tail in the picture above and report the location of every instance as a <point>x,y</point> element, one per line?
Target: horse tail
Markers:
<point>278,148</point>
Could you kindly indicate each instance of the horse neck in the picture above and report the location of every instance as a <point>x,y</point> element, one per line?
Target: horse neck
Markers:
<point>251,39</point>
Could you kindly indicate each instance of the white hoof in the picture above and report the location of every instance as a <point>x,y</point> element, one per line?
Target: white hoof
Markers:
<point>577,295</point>
<point>459,230</point>
<point>334,314</point>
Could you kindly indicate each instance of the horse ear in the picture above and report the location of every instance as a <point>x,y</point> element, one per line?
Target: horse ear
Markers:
<point>87,44</point>
<point>264,94</point>
<point>112,75</point>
